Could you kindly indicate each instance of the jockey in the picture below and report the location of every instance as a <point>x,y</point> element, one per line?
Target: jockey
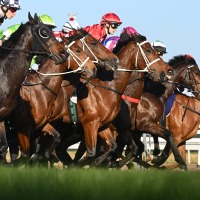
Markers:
<point>68,27</point>
<point>10,30</point>
<point>111,42</point>
<point>108,25</point>
<point>159,47</point>
<point>8,9</point>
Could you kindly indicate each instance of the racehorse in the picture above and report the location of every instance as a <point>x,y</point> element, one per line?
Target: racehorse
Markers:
<point>150,108</point>
<point>183,121</point>
<point>99,54</point>
<point>30,39</point>
<point>94,49</point>
<point>99,101</point>
<point>40,89</point>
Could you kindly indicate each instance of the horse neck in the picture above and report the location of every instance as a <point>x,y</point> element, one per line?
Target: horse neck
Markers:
<point>135,86</point>
<point>20,59</point>
<point>126,62</point>
<point>48,66</point>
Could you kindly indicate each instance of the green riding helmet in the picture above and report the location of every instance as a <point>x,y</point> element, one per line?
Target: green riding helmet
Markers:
<point>46,19</point>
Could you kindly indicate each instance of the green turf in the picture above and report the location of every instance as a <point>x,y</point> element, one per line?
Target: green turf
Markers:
<point>97,184</point>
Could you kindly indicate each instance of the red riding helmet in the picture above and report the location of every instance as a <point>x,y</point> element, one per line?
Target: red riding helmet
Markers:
<point>110,18</point>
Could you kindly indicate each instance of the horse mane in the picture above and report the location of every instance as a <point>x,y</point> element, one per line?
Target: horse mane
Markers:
<point>182,59</point>
<point>10,43</point>
<point>78,34</point>
<point>125,38</point>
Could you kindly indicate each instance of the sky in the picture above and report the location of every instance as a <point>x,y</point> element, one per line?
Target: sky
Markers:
<point>176,23</point>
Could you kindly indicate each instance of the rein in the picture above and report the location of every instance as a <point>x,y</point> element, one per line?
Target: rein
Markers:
<point>104,87</point>
<point>29,52</point>
<point>186,108</point>
<point>79,62</point>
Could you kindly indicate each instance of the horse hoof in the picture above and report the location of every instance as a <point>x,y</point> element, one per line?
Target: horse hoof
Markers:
<point>183,167</point>
<point>36,157</point>
<point>156,152</point>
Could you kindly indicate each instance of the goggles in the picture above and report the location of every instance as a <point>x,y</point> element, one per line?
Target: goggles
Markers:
<point>13,10</point>
<point>114,26</point>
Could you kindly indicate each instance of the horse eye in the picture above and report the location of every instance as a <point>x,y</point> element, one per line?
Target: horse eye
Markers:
<point>93,43</point>
<point>78,51</point>
<point>148,50</point>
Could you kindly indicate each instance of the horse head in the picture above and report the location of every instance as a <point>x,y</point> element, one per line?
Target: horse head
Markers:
<point>188,71</point>
<point>78,61</point>
<point>144,56</point>
<point>98,53</point>
<point>44,40</point>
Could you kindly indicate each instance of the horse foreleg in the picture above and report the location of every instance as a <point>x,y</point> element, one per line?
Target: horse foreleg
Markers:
<point>24,143</point>
<point>56,139</point>
<point>3,140</point>
<point>90,135</point>
<point>156,150</point>
<point>110,144</point>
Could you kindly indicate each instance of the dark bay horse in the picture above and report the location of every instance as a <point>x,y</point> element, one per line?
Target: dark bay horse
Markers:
<point>39,91</point>
<point>150,107</point>
<point>99,101</point>
<point>30,39</point>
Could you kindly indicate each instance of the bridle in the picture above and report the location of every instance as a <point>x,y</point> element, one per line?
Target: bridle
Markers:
<point>148,63</point>
<point>73,56</point>
<point>39,33</point>
<point>190,77</point>
<point>44,45</point>
<point>96,60</point>
<point>192,80</point>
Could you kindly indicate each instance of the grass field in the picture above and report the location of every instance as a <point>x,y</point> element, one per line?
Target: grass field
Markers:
<point>98,184</point>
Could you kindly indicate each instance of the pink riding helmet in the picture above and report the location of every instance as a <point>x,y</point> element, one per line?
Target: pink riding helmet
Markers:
<point>130,30</point>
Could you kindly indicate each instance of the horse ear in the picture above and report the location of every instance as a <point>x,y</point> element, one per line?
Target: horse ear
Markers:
<point>30,17</point>
<point>64,39</point>
<point>36,17</point>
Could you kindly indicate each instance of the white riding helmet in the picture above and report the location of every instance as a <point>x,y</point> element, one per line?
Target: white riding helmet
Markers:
<point>71,24</point>
<point>159,46</point>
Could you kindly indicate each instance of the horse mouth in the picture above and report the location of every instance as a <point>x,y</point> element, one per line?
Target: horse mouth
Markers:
<point>61,58</point>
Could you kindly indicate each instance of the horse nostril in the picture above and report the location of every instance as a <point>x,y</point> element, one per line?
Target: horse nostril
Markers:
<point>162,76</point>
<point>170,72</point>
<point>116,63</point>
<point>95,71</point>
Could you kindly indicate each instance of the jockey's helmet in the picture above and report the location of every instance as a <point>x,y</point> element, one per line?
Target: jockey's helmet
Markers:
<point>159,46</point>
<point>110,18</point>
<point>70,25</point>
<point>129,30</point>
<point>10,3</point>
<point>47,20</point>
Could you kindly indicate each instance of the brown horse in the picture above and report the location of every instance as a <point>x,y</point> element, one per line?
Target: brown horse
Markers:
<point>91,46</point>
<point>99,54</point>
<point>37,95</point>
<point>183,121</point>
<point>99,101</point>
<point>30,39</point>
<point>150,108</point>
